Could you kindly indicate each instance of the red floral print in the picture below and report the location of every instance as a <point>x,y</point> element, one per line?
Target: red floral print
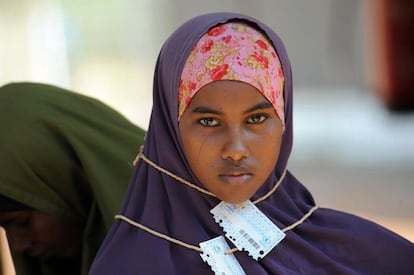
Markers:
<point>207,46</point>
<point>187,101</point>
<point>226,38</point>
<point>261,44</point>
<point>280,72</point>
<point>192,85</point>
<point>218,72</point>
<point>216,31</point>
<point>181,89</point>
<point>261,59</point>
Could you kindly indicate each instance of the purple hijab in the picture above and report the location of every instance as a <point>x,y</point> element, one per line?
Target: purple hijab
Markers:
<point>328,242</point>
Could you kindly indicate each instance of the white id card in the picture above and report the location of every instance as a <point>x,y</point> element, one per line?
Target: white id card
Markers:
<point>220,263</point>
<point>248,228</point>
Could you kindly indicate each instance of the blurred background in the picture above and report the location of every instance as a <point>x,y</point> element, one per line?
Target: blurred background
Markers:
<point>353,74</point>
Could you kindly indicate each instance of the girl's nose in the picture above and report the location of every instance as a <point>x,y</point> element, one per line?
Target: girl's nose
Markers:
<point>235,148</point>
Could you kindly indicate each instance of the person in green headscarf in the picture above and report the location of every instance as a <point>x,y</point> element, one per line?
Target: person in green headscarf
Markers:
<point>66,162</point>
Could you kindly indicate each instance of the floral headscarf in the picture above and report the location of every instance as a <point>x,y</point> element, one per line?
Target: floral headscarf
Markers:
<point>233,51</point>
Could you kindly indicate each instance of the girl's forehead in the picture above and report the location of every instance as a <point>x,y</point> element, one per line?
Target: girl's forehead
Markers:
<point>226,96</point>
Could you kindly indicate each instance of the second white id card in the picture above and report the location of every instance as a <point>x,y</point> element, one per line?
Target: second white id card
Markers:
<point>220,263</point>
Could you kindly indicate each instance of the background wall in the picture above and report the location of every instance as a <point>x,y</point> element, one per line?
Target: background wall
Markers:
<point>349,151</point>
<point>110,49</point>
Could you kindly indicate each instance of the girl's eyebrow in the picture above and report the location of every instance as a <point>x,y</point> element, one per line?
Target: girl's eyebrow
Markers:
<point>206,110</point>
<point>262,105</point>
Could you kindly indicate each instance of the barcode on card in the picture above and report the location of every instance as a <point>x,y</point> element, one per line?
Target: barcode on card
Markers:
<point>249,239</point>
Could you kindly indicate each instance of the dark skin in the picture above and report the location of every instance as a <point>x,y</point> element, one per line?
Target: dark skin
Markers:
<point>42,235</point>
<point>231,136</point>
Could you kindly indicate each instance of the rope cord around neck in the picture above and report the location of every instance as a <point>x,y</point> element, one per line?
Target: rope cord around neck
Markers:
<point>194,247</point>
<point>162,170</point>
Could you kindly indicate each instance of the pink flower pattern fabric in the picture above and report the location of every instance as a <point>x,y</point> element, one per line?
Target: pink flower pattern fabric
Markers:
<point>233,51</point>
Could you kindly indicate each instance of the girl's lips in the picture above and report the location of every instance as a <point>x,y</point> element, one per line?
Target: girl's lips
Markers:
<point>236,179</point>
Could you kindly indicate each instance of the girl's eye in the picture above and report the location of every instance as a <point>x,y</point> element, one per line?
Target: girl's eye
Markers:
<point>208,122</point>
<point>256,119</point>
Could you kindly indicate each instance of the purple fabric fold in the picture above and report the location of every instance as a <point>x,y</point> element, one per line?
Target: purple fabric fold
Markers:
<point>328,242</point>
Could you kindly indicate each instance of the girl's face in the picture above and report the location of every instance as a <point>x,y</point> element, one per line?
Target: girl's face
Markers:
<point>42,235</point>
<point>231,137</point>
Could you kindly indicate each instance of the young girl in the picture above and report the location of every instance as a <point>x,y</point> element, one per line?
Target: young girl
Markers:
<point>211,192</point>
<point>65,166</point>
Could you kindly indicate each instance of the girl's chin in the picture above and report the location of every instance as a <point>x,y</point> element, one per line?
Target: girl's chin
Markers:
<point>234,200</point>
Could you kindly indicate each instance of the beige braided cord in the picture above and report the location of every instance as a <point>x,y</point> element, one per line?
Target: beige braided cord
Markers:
<point>194,247</point>
<point>158,234</point>
<point>287,228</point>
<point>162,170</point>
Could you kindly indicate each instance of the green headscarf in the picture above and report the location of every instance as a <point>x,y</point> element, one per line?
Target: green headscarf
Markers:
<point>67,155</point>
